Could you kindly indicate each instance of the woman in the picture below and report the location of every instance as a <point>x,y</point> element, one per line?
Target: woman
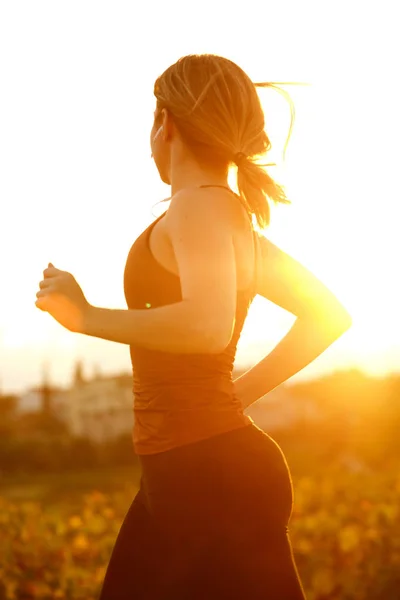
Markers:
<point>211,517</point>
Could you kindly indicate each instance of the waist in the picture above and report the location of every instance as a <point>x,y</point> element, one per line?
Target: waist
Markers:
<point>158,430</point>
<point>177,402</point>
<point>241,445</point>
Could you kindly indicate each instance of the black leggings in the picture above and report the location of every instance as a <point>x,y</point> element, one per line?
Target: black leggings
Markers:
<point>210,521</point>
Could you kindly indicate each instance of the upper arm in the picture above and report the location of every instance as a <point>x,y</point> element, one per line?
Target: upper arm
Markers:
<point>199,227</point>
<point>287,283</point>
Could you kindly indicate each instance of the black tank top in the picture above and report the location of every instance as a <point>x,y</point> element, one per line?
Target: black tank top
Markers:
<point>178,398</point>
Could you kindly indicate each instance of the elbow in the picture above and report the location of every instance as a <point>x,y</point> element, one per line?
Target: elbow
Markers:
<point>332,322</point>
<point>346,322</point>
<point>341,326</point>
<point>336,322</point>
<point>341,320</point>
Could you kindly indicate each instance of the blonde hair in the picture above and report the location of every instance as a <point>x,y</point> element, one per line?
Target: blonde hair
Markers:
<point>217,110</point>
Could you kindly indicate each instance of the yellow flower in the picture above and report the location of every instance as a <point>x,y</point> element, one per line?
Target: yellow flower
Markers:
<point>304,546</point>
<point>323,582</point>
<point>75,522</point>
<point>80,542</point>
<point>108,513</point>
<point>349,538</point>
<point>96,525</point>
<point>390,511</point>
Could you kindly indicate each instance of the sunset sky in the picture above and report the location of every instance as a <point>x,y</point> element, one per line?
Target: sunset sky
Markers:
<point>77,183</point>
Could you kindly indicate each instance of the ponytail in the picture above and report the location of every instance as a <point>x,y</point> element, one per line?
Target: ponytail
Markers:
<point>254,184</point>
<point>256,187</point>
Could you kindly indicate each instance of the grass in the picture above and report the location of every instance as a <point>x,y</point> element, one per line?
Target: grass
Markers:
<point>50,488</point>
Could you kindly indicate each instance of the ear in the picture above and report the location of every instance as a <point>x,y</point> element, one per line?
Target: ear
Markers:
<point>168,125</point>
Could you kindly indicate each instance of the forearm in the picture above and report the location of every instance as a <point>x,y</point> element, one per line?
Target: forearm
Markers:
<point>170,328</point>
<point>304,342</point>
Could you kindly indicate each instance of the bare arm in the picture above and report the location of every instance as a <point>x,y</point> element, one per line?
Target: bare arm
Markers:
<point>321,320</point>
<point>199,228</point>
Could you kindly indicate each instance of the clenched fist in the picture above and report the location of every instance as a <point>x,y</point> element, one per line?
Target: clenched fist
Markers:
<point>61,296</point>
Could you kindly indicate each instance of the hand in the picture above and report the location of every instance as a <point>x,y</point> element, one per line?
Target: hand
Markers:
<point>61,296</point>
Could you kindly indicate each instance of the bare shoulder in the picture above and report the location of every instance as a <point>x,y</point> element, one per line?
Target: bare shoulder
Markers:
<point>212,208</point>
<point>212,224</point>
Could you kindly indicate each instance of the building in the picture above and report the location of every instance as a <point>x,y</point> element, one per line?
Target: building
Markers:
<point>48,400</point>
<point>280,409</point>
<point>100,408</point>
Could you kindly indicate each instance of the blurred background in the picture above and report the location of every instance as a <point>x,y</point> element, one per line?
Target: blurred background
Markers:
<point>77,186</point>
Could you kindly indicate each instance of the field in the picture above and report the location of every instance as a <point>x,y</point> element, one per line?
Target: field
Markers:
<point>57,532</point>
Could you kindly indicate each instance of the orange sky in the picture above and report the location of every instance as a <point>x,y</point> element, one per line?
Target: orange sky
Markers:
<point>78,183</point>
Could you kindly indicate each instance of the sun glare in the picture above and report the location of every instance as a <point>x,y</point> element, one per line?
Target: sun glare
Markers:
<point>37,332</point>
<point>25,332</point>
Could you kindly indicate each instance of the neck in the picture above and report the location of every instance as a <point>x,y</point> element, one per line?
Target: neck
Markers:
<point>189,174</point>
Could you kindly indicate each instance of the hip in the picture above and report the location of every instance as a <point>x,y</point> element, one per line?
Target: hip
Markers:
<point>158,431</point>
<point>240,476</point>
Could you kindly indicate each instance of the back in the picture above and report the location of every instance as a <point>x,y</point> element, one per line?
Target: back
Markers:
<point>178,398</point>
